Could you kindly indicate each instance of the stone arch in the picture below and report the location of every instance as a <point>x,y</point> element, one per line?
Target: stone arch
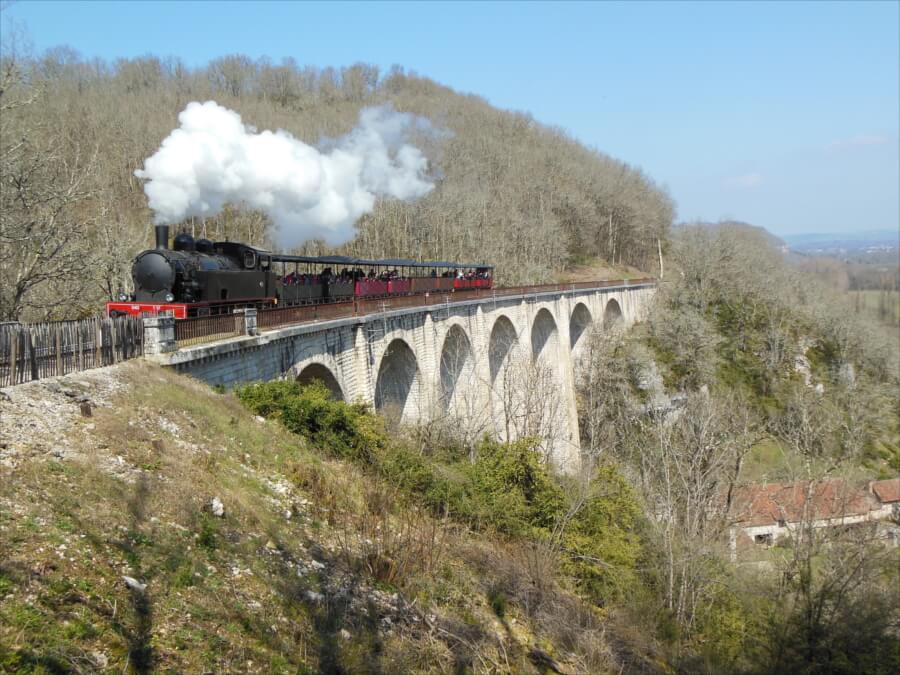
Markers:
<point>397,384</point>
<point>502,342</point>
<point>542,405</point>
<point>579,324</point>
<point>544,335</point>
<point>457,364</point>
<point>505,370</point>
<point>318,372</point>
<point>612,315</point>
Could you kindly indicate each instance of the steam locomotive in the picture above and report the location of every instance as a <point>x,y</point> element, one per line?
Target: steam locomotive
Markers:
<point>198,277</point>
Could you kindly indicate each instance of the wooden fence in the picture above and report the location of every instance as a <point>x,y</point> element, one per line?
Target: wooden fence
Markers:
<point>37,350</point>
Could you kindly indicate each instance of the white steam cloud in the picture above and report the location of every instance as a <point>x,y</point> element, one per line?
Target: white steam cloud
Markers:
<point>213,159</point>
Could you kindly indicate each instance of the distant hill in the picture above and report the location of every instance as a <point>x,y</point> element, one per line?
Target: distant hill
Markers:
<point>740,225</point>
<point>836,242</point>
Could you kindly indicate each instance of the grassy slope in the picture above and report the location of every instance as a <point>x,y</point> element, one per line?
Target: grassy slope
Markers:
<point>279,584</point>
<point>597,268</point>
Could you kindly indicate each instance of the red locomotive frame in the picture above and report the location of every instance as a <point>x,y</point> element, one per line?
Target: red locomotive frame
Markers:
<point>182,310</point>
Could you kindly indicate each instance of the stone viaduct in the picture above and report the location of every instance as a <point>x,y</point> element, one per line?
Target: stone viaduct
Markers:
<point>500,364</point>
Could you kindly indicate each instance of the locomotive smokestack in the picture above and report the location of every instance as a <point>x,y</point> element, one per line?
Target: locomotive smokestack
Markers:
<point>162,236</point>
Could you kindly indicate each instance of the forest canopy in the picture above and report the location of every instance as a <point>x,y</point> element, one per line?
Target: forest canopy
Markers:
<point>509,190</point>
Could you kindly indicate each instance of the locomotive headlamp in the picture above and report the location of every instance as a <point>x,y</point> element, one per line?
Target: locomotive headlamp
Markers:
<point>169,297</point>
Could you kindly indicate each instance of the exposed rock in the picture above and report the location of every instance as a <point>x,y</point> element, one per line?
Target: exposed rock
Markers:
<point>345,634</point>
<point>100,659</point>
<point>59,453</point>
<point>134,584</point>
<point>312,596</point>
<point>801,365</point>
<point>37,416</point>
<point>217,507</point>
<point>647,378</point>
<point>847,374</point>
<point>169,426</point>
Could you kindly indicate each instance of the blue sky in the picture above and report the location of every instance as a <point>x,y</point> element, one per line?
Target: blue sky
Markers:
<point>786,115</point>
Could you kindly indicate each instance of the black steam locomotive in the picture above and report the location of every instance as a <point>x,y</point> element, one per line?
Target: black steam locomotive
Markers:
<point>197,277</point>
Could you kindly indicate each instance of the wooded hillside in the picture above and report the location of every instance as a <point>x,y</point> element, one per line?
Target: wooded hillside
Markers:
<point>522,195</point>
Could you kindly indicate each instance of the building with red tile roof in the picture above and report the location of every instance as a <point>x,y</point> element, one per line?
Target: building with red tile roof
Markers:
<point>887,491</point>
<point>765,513</point>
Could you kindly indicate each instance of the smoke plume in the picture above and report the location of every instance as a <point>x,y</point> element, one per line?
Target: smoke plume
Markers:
<point>213,159</point>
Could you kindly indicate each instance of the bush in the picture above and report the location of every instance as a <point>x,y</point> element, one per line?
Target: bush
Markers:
<point>603,542</point>
<point>511,489</point>
<point>343,430</point>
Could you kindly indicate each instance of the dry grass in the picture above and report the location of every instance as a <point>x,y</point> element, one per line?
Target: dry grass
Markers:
<point>314,566</point>
<point>599,269</point>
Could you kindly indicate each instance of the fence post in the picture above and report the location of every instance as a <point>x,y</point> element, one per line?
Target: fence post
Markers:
<point>98,343</point>
<point>159,335</point>
<point>13,356</point>
<point>57,336</point>
<point>32,355</point>
<point>250,327</point>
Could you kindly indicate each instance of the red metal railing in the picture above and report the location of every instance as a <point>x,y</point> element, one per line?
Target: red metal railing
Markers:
<point>205,329</point>
<point>271,318</point>
<point>208,328</point>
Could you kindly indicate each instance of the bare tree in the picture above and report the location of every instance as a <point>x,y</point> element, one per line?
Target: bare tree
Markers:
<point>690,461</point>
<point>44,217</point>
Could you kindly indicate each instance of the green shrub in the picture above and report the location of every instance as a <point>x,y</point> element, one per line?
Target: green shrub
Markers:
<point>208,532</point>
<point>511,489</point>
<point>603,542</point>
<point>415,474</point>
<point>343,430</point>
<point>267,399</point>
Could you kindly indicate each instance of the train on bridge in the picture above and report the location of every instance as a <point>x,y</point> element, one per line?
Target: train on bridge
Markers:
<point>198,277</point>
